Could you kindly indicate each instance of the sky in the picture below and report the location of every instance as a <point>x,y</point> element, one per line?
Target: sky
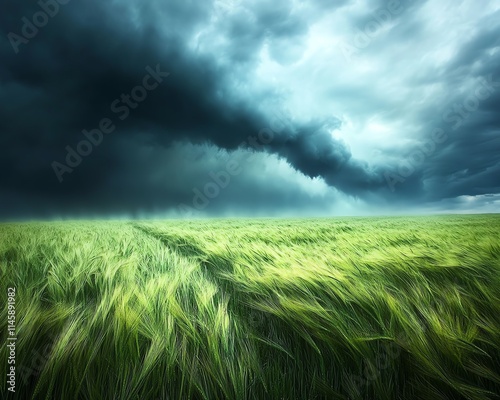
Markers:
<point>184,109</point>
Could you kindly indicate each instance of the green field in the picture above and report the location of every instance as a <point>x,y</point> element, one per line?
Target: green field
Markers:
<point>346,308</point>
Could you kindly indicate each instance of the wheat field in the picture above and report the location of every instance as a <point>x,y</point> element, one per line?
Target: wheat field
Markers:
<point>341,308</point>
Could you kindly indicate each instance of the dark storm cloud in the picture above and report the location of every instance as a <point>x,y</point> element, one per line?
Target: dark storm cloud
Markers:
<point>89,53</point>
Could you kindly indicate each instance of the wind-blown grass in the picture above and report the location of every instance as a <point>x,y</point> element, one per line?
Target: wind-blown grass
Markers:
<point>360,308</point>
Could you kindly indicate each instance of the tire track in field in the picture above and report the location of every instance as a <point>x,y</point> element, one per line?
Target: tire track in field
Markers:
<point>189,249</point>
<point>183,247</point>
